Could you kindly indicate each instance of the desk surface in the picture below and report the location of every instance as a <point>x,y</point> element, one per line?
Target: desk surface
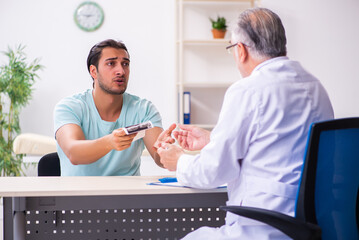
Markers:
<point>85,186</point>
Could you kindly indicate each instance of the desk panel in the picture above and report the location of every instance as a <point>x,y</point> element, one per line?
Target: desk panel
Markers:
<point>105,208</point>
<point>159,216</point>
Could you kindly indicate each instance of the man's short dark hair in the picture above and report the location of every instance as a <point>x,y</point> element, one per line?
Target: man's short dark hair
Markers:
<point>96,51</point>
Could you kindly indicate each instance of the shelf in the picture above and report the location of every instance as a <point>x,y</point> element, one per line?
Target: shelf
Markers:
<point>192,152</point>
<point>216,1</point>
<point>206,84</point>
<point>205,41</point>
<point>203,66</point>
<point>206,126</point>
<point>251,3</point>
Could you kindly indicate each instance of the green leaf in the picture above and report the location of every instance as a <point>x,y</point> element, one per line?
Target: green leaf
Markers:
<point>219,24</point>
<point>17,78</point>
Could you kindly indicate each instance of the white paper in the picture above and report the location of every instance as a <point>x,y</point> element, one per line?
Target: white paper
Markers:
<point>140,135</point>
<point>176,184</point>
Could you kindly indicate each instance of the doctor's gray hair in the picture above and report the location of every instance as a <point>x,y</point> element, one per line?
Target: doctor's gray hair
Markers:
<point>262,31</point>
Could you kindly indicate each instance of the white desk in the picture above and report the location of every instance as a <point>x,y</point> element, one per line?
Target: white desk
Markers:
<point>105,208</point>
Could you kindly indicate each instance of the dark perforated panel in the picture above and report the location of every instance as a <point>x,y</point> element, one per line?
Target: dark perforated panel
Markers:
<point>119,224</point>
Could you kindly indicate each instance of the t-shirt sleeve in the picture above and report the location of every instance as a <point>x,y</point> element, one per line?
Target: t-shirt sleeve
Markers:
<point>152,114</point>
<point>67,111</point>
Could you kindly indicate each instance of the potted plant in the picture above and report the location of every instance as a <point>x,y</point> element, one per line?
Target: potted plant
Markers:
<point>16,81</point>
<point>219,27</point>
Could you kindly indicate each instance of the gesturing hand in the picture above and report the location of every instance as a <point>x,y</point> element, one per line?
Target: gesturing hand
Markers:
<point>165,137</point>
<point>169,155</point>
<point>192,138</point>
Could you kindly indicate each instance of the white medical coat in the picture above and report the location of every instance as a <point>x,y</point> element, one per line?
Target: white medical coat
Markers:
<point>258,145</point>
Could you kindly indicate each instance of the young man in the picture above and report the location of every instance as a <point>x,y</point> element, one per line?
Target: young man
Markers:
<point>258,144</point>
<point>88,125</point>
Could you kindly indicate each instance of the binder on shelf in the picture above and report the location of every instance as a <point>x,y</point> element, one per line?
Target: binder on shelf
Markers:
<point>186,107</point>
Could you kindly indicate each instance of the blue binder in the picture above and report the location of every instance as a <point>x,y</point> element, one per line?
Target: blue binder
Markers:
<point>186,107</point>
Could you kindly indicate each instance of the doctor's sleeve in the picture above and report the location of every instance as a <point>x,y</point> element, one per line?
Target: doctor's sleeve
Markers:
<point>218,162</point>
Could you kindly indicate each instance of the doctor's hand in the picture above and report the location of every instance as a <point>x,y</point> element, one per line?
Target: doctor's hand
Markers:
<point>119,140</point>
<point>165,137</point>
<point>192,138</point>
<point>169,155</point>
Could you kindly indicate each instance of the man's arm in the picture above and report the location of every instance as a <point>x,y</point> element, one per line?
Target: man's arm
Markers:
<point>153,136</point>
<point>149,140</point>
<point>72,141</point>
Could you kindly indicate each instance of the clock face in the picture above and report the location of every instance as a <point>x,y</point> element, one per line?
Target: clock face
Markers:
<point>89,16</point>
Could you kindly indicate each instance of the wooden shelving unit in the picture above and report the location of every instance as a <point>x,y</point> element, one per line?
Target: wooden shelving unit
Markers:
<point>203,66</point>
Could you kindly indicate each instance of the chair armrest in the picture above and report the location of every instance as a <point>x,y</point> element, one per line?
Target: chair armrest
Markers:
<point>34,144</point>
<point>290,226</point>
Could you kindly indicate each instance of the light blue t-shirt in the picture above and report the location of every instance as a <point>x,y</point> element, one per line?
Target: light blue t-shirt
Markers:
<point>80,109</point>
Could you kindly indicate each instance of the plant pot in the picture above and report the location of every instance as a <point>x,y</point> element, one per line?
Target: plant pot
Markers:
<point>218,33</point>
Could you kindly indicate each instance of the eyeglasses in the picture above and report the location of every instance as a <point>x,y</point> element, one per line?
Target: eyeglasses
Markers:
<point>229,48</point>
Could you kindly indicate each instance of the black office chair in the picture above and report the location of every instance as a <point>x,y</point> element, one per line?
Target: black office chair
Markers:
<point>327,203</point>
<point>49,165</point>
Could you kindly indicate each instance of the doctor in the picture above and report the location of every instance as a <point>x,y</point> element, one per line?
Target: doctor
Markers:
<point>258,144</point>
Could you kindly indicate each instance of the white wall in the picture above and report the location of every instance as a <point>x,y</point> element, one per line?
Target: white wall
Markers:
<point>322,35</point>
<point>48,30</point>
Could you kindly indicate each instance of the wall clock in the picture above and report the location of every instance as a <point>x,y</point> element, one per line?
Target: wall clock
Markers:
<point>89,16</point>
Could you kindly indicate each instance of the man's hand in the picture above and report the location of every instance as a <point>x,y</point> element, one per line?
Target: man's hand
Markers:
<point>192,138</point>
<point>119,140</point>
<point>165,137</point>
<point>169,155</point>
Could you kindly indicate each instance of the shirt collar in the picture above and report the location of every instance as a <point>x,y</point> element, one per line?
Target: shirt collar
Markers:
<point>269,61</point>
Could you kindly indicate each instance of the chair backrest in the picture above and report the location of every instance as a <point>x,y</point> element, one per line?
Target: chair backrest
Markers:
<point>49,165</point>
<point>328,193</point>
